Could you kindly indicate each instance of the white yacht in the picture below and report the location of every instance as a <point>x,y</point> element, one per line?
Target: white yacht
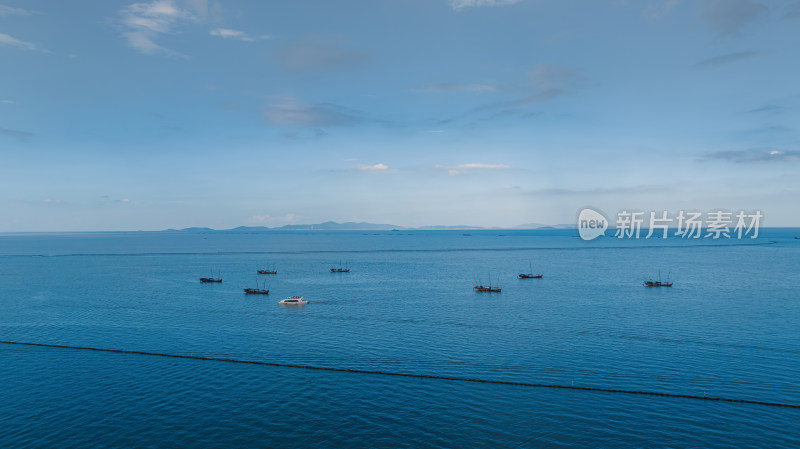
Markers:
<point>293,301</point>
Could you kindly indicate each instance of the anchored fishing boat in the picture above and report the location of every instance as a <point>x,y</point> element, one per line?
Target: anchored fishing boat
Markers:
<point>217,279</point>
<point>658,283</point>
<point>488,288</point>
<point>340,269</point>
<point>268,270</point>
<point>258,290</point>
<point>529,274</point>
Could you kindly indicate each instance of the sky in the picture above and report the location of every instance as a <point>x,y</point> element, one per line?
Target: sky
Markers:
<point>120,115</point>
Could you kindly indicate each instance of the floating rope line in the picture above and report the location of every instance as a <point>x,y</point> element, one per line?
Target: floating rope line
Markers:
<point>418,376</point>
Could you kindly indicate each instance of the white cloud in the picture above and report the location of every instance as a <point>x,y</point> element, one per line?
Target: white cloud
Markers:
<point>226,33</point>
<point>10,41</point>
<point>460,4</point>
<point>145,22</point>
<point>8,101</point>
<point>457,169</point>
<point>9,11</point>
<point>374,168</point>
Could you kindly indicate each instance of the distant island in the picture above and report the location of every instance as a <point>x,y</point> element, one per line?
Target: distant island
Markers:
<point>364,226</point>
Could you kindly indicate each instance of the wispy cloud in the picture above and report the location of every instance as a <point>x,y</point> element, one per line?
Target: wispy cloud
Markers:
<point>725,59</point>
<point>728,17</point>
<point>8,102</point>
<point>11,11</point>
<point>770,109</point>
<point>453,170</point>
<point>314,55</point>
<point>21,135</point>
<point>545,81</point>
<point>145,22</point>
<point>289,111</point>
<point>454,87</point>
<point>756,155</point>
<point>377,168</point>
<point>10,41</point>
<point>52,201</point>
<point>226,33</point>
<point>458,5</point>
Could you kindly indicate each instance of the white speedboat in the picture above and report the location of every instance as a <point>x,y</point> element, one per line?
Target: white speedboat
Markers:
<point>293,301</point>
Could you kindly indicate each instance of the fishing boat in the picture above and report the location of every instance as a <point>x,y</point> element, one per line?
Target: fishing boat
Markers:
<point>529,274</point>
<point>658,283</point>
<point>217,279</point>
<point>487,288</point>
<point>340,269</point>
<point>259,290</point>
<point>293,301</point>
<point>268,271</point>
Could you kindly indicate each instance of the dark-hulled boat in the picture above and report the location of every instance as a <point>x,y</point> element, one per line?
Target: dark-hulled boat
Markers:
<point>652,283</point>
<point>210,280</point>
<point>529,274</point>
<point>259,290</point>
<point>483,288</point>
<point>340,269</point>
<point>658,283</point>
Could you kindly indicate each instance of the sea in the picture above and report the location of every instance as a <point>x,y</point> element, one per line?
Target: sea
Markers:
<point>400,351</point>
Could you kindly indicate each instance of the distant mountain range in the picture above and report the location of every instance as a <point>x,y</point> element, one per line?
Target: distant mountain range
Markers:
<point>363,226</point>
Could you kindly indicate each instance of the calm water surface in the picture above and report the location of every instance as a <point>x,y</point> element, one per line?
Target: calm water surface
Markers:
<point>730,327</point>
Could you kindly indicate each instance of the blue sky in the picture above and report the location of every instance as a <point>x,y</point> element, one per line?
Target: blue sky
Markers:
<point>119,115</point>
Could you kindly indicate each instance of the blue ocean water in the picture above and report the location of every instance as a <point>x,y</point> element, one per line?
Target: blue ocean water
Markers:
<point>730,327</point>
